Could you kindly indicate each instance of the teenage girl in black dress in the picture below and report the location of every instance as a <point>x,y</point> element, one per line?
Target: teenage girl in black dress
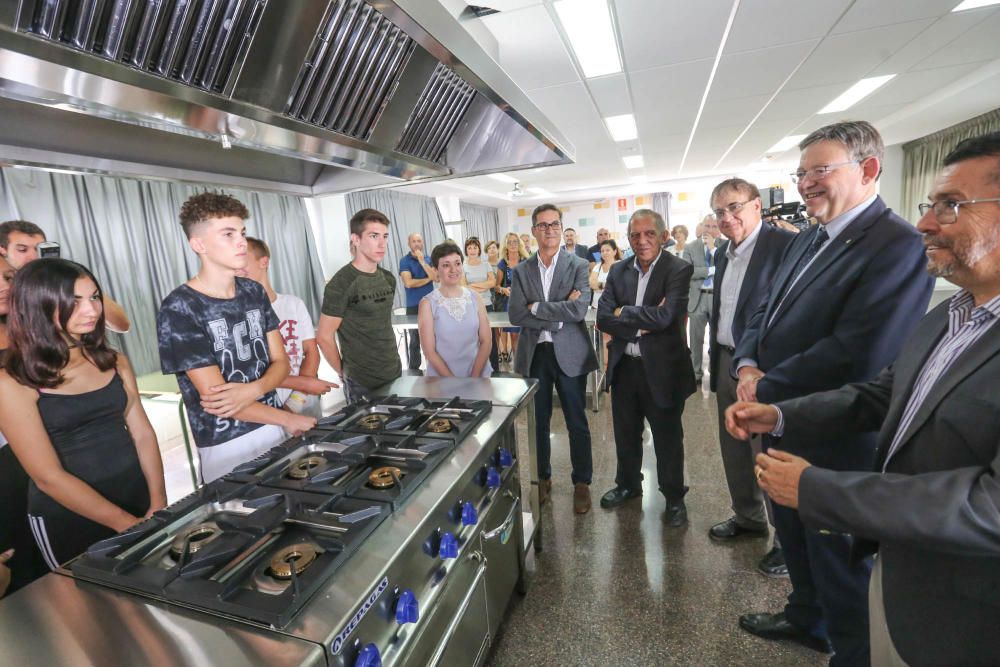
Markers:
<point>72,415</point>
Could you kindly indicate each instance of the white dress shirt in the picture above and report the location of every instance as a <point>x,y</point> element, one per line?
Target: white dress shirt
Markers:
<point>546,274</point>
<point>732,283</point>
<point>632,349</point>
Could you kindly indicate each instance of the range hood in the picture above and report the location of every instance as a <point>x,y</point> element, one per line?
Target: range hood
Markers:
<point>306,97</point>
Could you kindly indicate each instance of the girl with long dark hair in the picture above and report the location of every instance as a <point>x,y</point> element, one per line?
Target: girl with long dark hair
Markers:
<point>72,414</point>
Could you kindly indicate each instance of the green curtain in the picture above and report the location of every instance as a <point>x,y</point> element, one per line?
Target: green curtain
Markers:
<point>922,158</point>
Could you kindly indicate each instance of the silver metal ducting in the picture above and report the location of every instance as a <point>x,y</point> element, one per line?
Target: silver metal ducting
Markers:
<point>300,96</point>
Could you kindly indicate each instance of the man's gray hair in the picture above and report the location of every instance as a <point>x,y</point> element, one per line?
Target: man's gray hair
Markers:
<point>859,137</point>
<point>657,219</point>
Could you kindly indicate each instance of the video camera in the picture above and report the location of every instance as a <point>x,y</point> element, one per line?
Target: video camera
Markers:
<point>791,212</point>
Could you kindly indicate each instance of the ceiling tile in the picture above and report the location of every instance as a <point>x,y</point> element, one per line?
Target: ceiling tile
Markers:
<point>761,23</point>
<point>667,98</point>
<point>525,39</point>
<point>865,14</point>
<point>570,109</point>
<point>611,94</point>
<point>757,72</point>
<point>978,44</point>
<point>664,32</point>
<point>850,57</point>
<point>912,86</point>
<point>731,112</point>
<point>937,36</point>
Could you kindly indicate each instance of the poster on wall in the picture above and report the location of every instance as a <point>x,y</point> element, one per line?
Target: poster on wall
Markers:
<point>586,222</point>
<point>623,219</point>
<point>622,204</point>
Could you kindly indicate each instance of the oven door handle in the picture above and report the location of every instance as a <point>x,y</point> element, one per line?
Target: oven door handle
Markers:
<point>503,530</point>
<point>452,628</point>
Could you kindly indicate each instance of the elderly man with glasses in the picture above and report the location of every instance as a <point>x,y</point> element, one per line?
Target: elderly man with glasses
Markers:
<point>549,298</point>
<point>744,269</point>
<point>930,505</point>
<point>844,298</point>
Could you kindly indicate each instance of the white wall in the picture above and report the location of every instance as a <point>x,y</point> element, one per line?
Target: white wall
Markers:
<point>329,219</point>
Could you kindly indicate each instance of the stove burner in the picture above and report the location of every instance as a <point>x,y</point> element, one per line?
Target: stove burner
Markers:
<point>195,538</point>
<point>439,426</point>
<point>384,478</point>
<point>294,558</point>
<point>373,422</point>
<point>304,466</point>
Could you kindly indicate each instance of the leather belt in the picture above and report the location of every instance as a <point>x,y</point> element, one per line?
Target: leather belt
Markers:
<point>706,291</point>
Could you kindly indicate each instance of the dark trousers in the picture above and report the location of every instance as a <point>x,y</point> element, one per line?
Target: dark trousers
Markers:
<point>631,404</point>
<point>737,455</point>
<point>573,399</point>
<point>829,595</point>
<point>494,357</point>
<point>413,357</point>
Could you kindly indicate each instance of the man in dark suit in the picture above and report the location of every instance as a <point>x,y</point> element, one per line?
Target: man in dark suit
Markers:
<point>744,268</point>
<point>701,254</point>
<point>848,290</point>
<point>549,297</point>
<point>574,248</point>
<point>932,507</point>
<point>649,369</point>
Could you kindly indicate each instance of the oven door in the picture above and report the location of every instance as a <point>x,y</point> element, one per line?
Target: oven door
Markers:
<point>501,544</point>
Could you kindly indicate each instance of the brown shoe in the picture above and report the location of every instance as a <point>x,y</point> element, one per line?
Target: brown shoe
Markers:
<point>581,498</point>
<point>544,489</point>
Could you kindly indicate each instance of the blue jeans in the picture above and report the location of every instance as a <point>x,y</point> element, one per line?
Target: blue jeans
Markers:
<point>573,399</point>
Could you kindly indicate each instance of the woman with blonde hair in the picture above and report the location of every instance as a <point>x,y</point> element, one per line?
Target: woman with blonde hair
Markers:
<point>512,254</point>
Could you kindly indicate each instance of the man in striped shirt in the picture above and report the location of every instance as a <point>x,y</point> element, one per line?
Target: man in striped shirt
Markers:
<point>931,508</point>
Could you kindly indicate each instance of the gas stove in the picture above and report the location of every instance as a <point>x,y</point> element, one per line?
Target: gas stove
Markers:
<point>449,420</point>
<point>248,551</point>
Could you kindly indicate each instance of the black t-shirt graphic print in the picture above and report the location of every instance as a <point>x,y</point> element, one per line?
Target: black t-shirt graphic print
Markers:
<point>195,331</point>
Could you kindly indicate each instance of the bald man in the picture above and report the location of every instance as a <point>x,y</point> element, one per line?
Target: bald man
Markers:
<point>418,280</point>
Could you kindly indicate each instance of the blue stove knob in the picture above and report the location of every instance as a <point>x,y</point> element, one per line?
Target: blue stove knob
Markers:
<point>448,547</point>
<point>469,515</point>
<point>369,657</point>
<point>407,609</point>
<point>505,457</point>
<point>492,478</point>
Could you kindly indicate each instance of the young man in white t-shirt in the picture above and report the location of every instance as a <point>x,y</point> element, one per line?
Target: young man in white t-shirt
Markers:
<point>300,390</point>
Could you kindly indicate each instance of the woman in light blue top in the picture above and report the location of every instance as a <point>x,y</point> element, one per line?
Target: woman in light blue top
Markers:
<point>454,329</point>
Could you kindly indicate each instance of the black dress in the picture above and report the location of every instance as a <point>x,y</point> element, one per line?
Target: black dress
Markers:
<point>89,435</point>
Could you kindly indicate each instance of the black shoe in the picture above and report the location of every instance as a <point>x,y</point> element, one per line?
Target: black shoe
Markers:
<point>773,564</point>
<point>730,530</point>
<point>617,496</point>
<point>775,626</point>
<point>676,515</point>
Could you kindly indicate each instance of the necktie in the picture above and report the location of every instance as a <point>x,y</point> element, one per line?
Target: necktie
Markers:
<point>817,243</point>
<point>707,284</point>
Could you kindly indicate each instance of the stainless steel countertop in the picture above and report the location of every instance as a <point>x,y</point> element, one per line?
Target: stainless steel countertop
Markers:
<point>497,320</point>
<point>510,392</point>
<point>61,621</point>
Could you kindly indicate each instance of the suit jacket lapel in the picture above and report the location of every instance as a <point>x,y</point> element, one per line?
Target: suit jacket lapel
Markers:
<point>559,288</point>
<point>784,275</point>
<point>971,359</point>
<point>757,262</point>
<point>534,279</point>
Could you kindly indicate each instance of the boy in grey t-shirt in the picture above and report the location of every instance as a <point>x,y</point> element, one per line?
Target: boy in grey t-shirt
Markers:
<point>357,310</point>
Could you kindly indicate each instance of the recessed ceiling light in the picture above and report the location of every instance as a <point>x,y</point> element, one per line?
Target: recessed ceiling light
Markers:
<point>786,143</point>
<point>622,128</point>
<point>856,93</point>
<point>503,178</point>
<point>633,162</point>
<point>591,34</point>
<point>974,4</point>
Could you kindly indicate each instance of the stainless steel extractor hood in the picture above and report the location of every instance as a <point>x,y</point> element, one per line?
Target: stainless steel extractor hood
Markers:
<point>300,96</point>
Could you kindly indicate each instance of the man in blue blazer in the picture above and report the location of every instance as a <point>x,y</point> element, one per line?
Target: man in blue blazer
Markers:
<point>649,369</point>
<point>744,269</point>
<point>931,505</point>
<point>848,292</point>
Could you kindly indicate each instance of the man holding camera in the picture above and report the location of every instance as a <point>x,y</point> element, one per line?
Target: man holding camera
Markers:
<point>22,242</point>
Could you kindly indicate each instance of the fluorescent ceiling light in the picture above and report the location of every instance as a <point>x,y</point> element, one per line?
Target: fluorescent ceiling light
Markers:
<point>503,178</point>
<point>591,34</point>
<point>856,93</point>
<point>633,162</point>
<point>974,4</point>
<point>786,143</point>
<point>622,128</point>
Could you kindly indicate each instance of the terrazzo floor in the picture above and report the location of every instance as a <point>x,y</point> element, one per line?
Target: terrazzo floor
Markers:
<point>618,587</point>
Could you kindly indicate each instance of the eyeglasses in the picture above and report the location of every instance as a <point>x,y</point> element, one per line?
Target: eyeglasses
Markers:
<point>946,210</point>
<point>821,172</point>
<point>731,209</point>
<point>546,226</point>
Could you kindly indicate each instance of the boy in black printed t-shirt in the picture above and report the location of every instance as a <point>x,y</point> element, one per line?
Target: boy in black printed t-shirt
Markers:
<point>219,335</point>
